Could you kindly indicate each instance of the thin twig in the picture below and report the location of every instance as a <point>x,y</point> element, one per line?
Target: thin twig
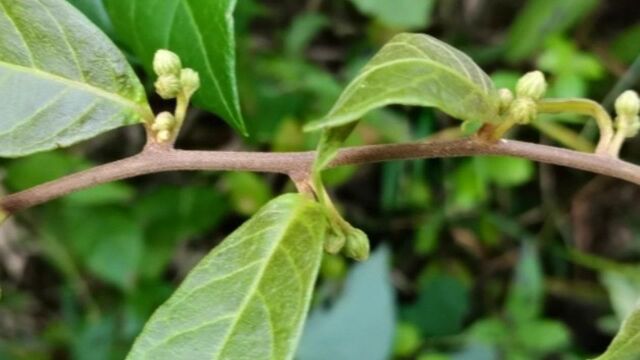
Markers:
<point>155,160</point>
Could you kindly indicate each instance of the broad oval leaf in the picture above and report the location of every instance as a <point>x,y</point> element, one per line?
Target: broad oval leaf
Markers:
<point>626,344</point>
<point>61,79</point>
<point>416,69</point>
<point>249,297</point>
<point>200,31</point>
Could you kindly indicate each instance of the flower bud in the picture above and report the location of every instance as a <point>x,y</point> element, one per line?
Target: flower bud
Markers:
<point>168,86</point>
<point>505,98</point>
<point>523,110</point>
<point>628,104</point>
<point>334,242</point>
<point>163,136</point>
<point>357,246</point>
<point>164,121</point>
<point>166,62</point>
<point>532,85</point>
<point>190,81</point>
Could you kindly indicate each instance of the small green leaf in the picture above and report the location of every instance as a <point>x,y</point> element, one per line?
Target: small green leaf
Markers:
<point>61,79</point>
<point>248,298</point>
<point>626,345</point>
<point>200,31</point>
<point>416,69</point>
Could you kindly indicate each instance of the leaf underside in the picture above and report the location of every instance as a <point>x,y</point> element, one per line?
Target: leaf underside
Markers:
<point>61,79</point>
<point>248,298</point>
<point>200,31</point>
<point>419,70</point>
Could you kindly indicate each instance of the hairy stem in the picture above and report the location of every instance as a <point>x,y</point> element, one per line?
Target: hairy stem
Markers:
<point>155,160</point>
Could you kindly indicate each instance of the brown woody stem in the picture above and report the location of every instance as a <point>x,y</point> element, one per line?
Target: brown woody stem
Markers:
<point>157,159</point>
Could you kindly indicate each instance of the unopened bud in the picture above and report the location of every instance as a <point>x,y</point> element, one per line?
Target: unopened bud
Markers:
<point>532,85</point>
<point>163,136</point>
<point>628,104</point>
<point>164,121</point>
<point>190,81</point>
<point>357,246</point>
<point>168,86</point>
<point>523,110</point>
<point>166,62</point>
<point>505,98</point>
<point>334,242</point>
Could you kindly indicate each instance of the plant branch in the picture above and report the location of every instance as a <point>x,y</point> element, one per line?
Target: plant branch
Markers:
<point>296,164</point>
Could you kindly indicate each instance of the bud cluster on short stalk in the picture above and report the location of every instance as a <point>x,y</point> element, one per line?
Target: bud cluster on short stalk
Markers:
<point>530,88</point>
<point>173,80</point>
<point>163,126</point>
<point>628,109</point>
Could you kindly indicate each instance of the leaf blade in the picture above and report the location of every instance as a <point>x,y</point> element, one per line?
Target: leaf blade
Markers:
<point>200,31</point>
<point>626,344</point>
<point>247,275</point>
<point>61,80</point>
<point>400,74</point>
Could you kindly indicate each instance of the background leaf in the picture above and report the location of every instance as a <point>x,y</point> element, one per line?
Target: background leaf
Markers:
<point>200,31</point>
<point>61,80</point>
<point>541,19</point>
<point>360,325</point>
<point>261,278</point>
<point>403,14</point>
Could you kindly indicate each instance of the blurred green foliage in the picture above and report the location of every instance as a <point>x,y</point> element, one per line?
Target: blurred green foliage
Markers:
<point>484,258</point>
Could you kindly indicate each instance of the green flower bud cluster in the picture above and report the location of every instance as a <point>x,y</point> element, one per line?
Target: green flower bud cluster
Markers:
<point>353,242</point>
<point>163,126</point>
<point>628,107</point>
<point>172,78</point>
<point>522,108</point>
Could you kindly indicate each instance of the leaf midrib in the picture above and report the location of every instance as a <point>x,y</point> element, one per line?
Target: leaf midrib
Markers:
<point>259,277</point>
<point>75,84</point>
<point>374,68</point>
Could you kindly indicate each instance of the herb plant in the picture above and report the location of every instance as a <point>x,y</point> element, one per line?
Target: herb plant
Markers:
<point>63,81</point>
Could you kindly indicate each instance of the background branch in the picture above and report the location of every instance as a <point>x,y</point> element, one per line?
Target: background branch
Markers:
<point>155,160</point>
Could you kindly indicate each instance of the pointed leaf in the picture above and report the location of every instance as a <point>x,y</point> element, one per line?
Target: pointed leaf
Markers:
<point>200,31</point>
<point>61,79</point>
<point>416,69</point>
<point>248,298</point>
<point>626,345</point>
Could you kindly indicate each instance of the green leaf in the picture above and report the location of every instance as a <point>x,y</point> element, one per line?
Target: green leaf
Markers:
<point>248,192</point>
<point>361,323</point>
<point>626,344</point>
<point>441,307</point>
<point>416,69</point>
<point>540,20</point>
<point>507,171</point>
<point>96,12</point>
<point>526,294</point>
<point>403,14</point>
<point>200,31</point>
<point>248,298</point>
<point>61,79</point>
